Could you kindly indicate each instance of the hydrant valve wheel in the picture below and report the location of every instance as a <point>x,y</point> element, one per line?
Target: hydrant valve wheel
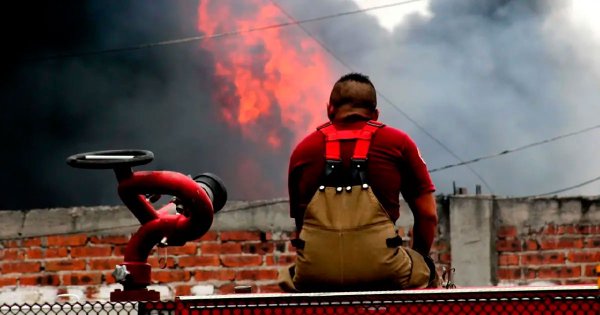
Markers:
<point>110,159</point>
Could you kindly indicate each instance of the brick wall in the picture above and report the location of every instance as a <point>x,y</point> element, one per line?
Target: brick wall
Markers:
<point>42,256</point>
<point>555,240</point>
<point>562,254</point>
<point>219,259</point>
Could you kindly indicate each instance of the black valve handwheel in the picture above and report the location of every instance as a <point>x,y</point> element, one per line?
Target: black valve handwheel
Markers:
<point>110,159</point>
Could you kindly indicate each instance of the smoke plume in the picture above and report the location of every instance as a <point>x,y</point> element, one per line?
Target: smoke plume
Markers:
<point>481,76</point>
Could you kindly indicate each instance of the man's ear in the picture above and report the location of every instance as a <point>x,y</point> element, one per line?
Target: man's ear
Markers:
<point>330,111</point>
<point>375,115</point>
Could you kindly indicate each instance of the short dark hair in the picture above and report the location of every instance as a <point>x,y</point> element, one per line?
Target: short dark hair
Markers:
<point>366,99</point>
<point>357,77</point>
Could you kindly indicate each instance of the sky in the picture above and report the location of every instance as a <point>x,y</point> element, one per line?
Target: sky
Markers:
<point>465,79</point>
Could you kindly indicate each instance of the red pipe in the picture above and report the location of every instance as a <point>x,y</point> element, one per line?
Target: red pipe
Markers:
<point>156,225</point>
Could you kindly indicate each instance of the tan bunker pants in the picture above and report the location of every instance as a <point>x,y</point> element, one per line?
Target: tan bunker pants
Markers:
<point>345,247</point>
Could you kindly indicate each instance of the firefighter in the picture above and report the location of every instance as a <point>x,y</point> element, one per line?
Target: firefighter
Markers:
<point>345,180</point>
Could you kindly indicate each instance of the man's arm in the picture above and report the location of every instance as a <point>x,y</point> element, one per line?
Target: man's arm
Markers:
<point>424,210</point>
<point>293,190</point>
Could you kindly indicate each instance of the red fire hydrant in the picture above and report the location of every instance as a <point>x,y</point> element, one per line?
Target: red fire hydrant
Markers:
<point>196,200</point>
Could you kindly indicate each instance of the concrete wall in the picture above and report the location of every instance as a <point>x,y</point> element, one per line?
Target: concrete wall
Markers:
<point>46,253</point>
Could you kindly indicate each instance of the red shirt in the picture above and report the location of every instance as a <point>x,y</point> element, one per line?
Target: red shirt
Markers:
<point>394,166</point>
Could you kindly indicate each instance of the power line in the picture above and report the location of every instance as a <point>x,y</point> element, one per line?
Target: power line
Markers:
<point>214,36</point>
<point>381,95</point>
<point>527,146</point>
<point>587,182</point>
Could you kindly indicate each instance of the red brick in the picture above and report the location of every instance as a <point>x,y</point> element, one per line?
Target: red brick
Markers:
<point>155,262</point>
<point>12,254</point>
<point>166,276</point>
<point>580,281</point>
<point>260,248</point>
<point>11,243</point>
<point>585,256</point>
<point>227,288</point>
<point>220,274</point>
<point>108,278</point>
<point>67,240</point>
<point>567,229</point>
<point>110,239</point>
<point>269,288</point>
<point>281,236</point>
<point>508,245</point>
<point>280,246</point>
<point>440,246</point>
<point>182,290</point>
<point>240,236</point>
<point>91,251</point>
<point>20,267</point>
<point>550,229</point>
<point>507,232</point>
<point>592,242</point>
<point>65,264</point>
<point>561,243</point>
<point>509,273</point>
<point>47,279</point>
<point>280,260</point>
<point>32,242</point>
<point>221,248</point>
<point>290,248</point>
<point>542,258</point>
<point>81,278</point>
<point>34,253</point>
<point>532,245</point>
<point>56,252</point>
<point>530,274</point>
<point>559,272</point>
<point>508,260</point>
<point>104,263</point>
<point>8,281</point>
<point>119,250</point>
<point>192,261</point>
<point>590,271</point>
<point>187,249</point>
<point>241,260</point>
<point>445,258</point>
<point>209,236</point>
<point>256,274</point>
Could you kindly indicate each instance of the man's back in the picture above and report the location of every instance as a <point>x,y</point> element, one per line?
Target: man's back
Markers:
<point>394,166</point>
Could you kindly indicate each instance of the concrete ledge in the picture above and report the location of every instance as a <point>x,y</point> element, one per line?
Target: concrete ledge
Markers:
<point>265,215</point>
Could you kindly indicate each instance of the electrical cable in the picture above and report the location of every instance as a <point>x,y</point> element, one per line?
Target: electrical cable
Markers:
<point>527,146</point>
<point>212,36</point>
<point>587,182</point>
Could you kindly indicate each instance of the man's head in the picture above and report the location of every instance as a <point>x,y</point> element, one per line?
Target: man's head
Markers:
<point>353,96</point>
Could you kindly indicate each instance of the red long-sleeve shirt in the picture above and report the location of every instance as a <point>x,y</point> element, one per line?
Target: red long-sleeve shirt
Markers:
<point>394,167</point>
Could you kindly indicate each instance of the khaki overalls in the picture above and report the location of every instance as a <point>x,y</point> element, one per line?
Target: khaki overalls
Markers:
<point>348,241</point>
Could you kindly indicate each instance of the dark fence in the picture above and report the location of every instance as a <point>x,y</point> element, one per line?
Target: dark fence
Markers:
<point>573,300</point>
<point>98,308</point>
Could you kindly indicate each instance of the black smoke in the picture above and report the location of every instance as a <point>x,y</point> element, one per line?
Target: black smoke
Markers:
<point>159,99</point>
<point>482,76</point>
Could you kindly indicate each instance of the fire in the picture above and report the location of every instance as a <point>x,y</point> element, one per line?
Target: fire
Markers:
<point>270,82</point>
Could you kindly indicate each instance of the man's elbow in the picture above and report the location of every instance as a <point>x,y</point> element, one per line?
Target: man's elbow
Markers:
<point>426,209</point>
<point>430,217</point>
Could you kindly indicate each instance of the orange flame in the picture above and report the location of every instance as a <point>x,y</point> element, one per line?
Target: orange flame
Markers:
<point>271,81</point>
